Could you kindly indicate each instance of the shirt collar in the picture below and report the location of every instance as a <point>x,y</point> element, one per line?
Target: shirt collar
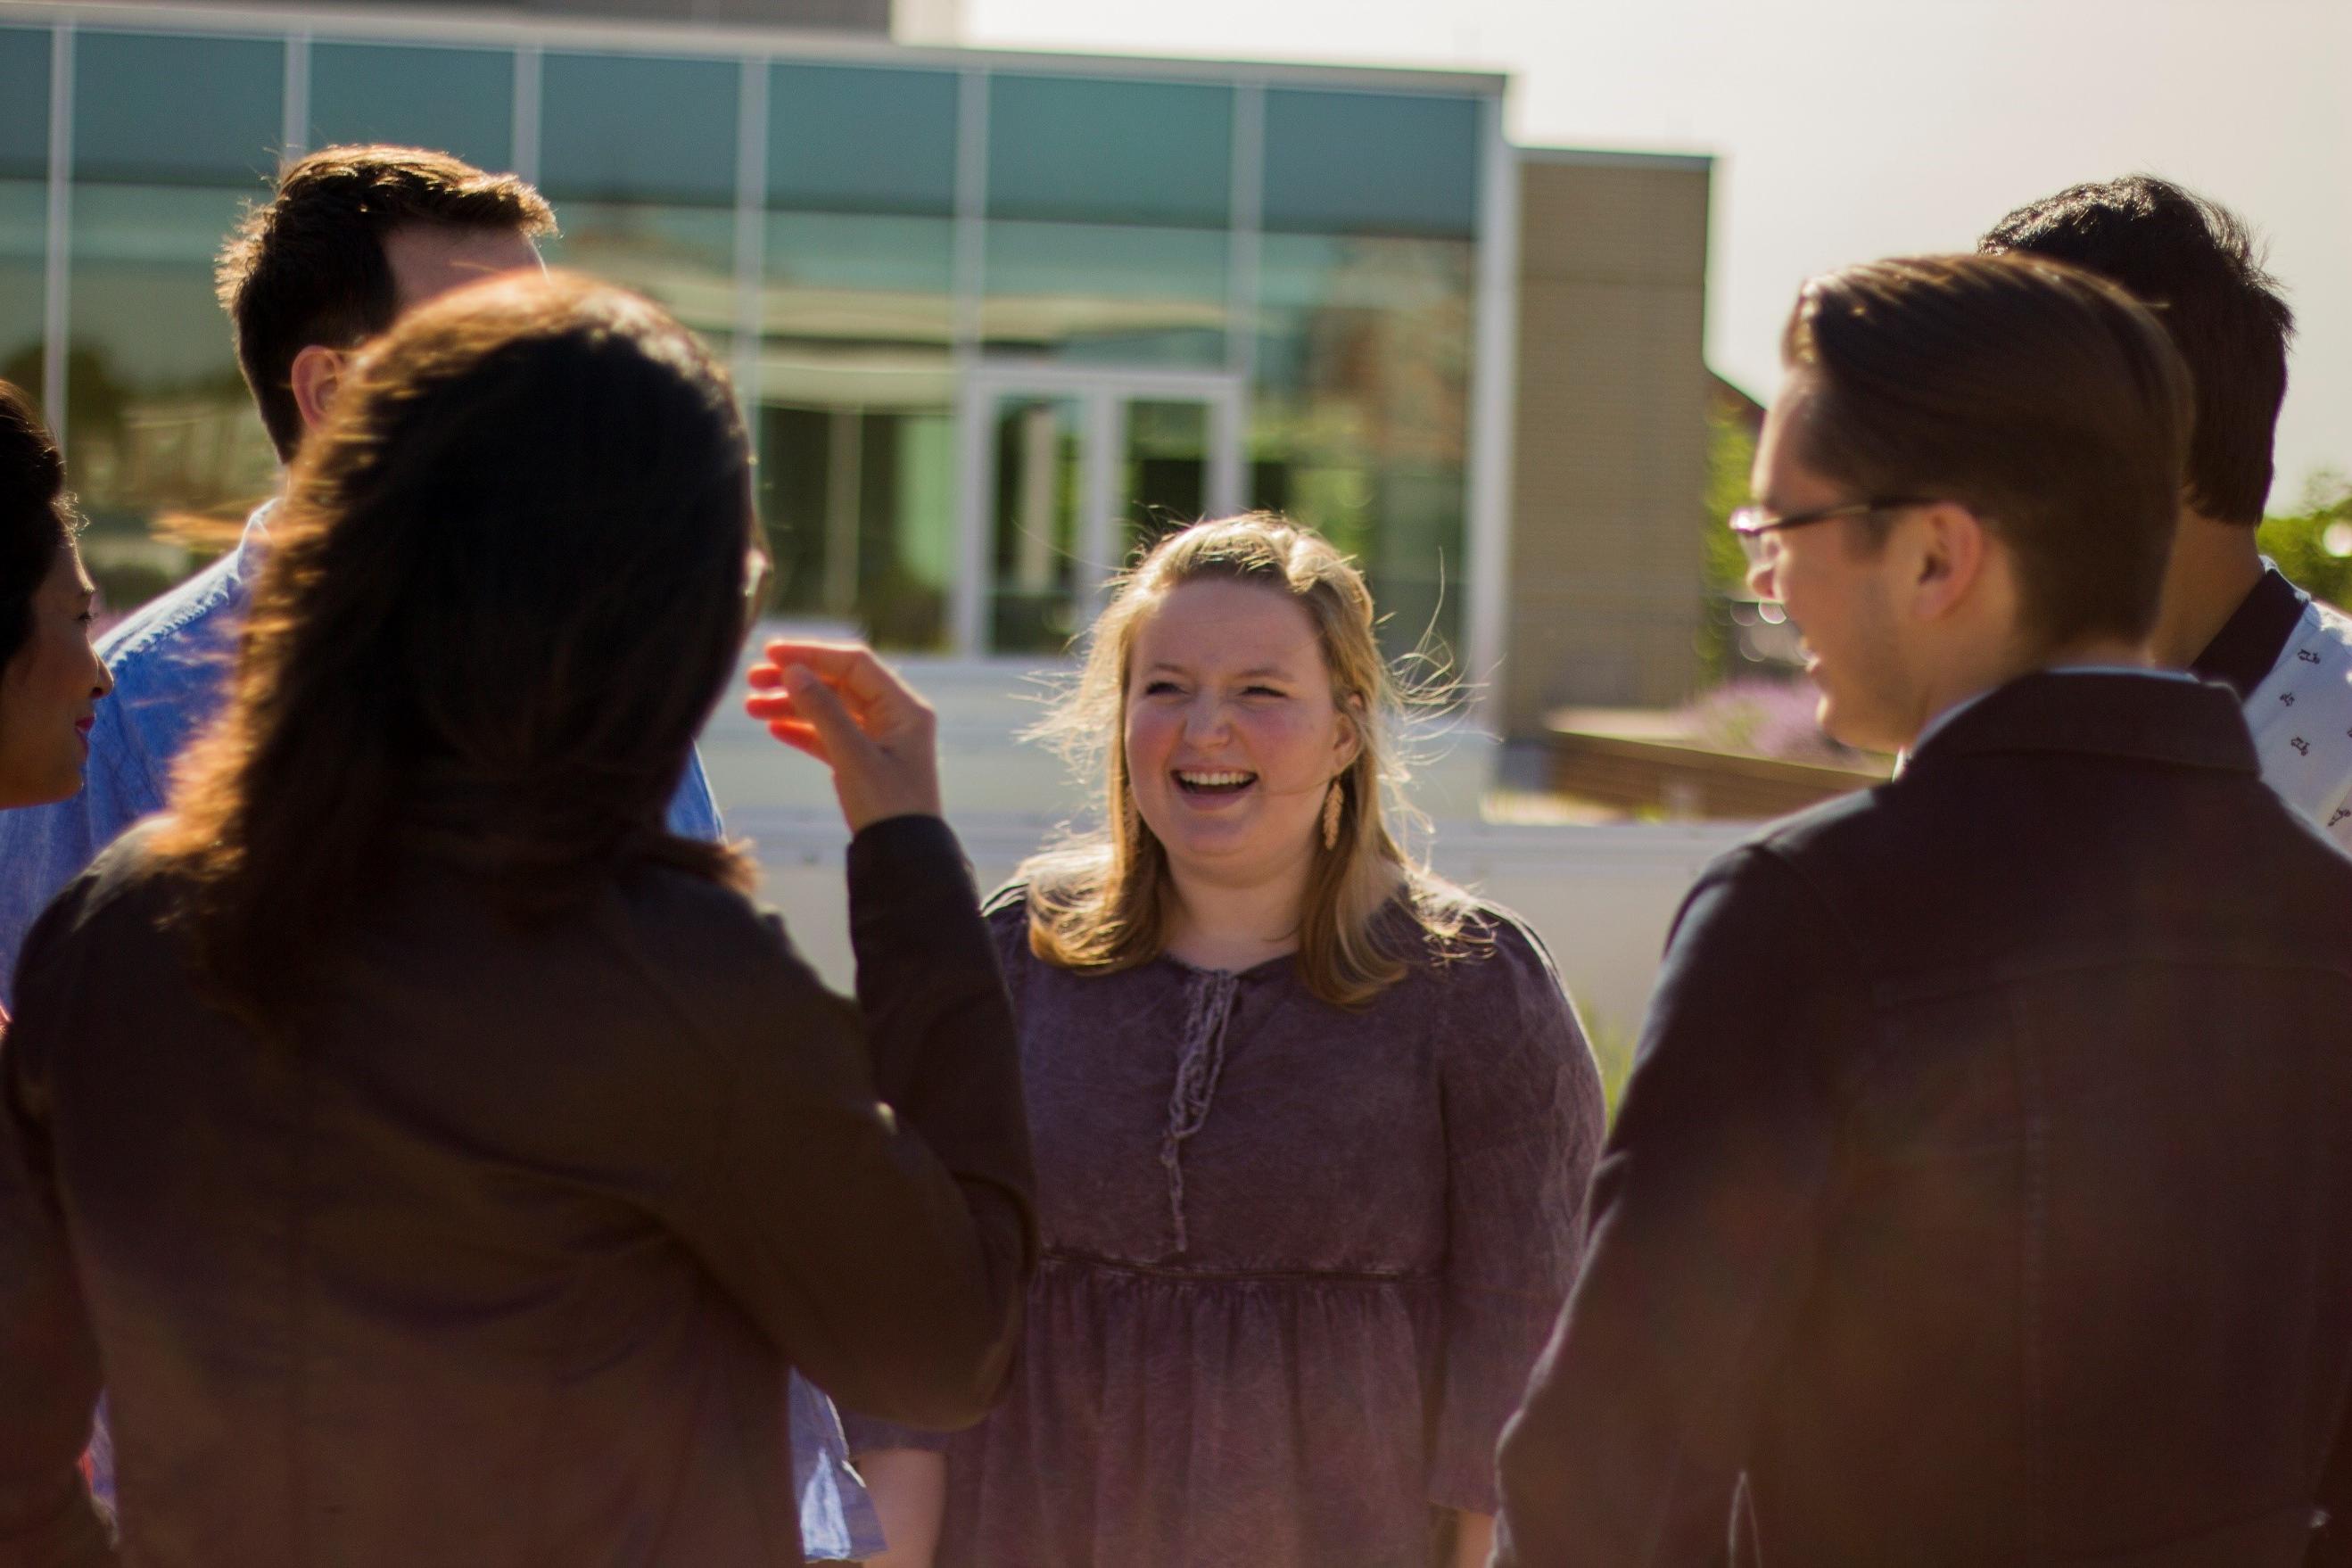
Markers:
<point>2162,716</point>
<point>2242,652</point>
<point>253,544</point>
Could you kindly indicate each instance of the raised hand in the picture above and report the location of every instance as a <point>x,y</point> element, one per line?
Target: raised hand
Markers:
<point>845,707</point>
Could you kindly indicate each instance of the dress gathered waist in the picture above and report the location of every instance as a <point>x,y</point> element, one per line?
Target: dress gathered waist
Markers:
<point>1211,1275</point>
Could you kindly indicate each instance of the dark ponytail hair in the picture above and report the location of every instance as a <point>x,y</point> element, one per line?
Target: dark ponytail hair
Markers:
<point>503,592</point>
<point>35,523</point>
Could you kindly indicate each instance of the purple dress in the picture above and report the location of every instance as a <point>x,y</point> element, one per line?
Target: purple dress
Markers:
<point>1300,1259</point>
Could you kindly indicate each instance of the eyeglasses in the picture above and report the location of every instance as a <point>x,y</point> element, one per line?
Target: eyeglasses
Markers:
<point>1754,527</point>
<point>758,575</point>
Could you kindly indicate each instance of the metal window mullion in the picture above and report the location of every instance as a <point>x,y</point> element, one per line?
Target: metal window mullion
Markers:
<point>845,504</point>
<point>971,261</point>
<point>294,124</point>
<point>1102,451</point>
<point>58,244</point>
<point>972,415</point>
<point>751,234</point>
<point>526,113</point>
<point>1494,364</point>
<point>1228,465</point>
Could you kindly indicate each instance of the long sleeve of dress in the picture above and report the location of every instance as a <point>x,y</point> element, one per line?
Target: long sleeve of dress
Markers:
<point>865,1188</point>
<point>48,1361</point>
<point>1523,1113</point>
<point>1705,1214</point>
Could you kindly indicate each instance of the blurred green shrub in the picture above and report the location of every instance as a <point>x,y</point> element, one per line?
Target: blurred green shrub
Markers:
<point>2313,546</point>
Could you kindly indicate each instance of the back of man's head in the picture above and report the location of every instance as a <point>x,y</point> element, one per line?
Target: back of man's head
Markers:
<point>2042,398</point>
<point>309,266</point>
<point>2197,265</point>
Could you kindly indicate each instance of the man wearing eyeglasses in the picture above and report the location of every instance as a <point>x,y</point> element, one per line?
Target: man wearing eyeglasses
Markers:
<point>1975,1198</point>
<point>2227,613</point>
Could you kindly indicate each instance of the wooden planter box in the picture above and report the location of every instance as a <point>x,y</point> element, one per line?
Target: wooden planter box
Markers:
<point>1634,761</point>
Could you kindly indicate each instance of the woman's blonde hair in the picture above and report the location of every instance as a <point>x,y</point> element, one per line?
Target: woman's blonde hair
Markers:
<point>1098,902</point>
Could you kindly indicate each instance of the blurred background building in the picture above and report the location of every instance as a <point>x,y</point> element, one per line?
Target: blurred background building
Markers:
<point>995,318</point>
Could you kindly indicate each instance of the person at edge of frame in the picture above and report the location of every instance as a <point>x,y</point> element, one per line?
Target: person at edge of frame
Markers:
<point>442,1159</point>
<point>351,238</point>
<point>2227,613</point>
<point>1976,1196</point>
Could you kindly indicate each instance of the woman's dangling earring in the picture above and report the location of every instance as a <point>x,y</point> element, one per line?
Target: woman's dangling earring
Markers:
<point>1332,801</point>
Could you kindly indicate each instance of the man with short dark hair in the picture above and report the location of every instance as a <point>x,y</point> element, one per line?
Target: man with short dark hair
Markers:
<point>1974,1198</point>
<point>2227,613</point>
<point>352,237</point>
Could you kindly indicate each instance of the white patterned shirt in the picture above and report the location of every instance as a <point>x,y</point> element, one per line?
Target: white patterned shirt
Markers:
<point>2289,659</point>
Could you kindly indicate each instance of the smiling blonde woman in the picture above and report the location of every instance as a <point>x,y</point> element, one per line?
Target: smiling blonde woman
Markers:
<point>1313,1127</point>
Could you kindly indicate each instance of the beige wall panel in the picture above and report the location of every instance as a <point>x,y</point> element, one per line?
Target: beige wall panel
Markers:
<point>1610,454</point>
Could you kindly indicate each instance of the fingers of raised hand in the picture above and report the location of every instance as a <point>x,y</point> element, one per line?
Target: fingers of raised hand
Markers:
<point>801,737</point>
<point>816,706</point>
<point>862,683</point>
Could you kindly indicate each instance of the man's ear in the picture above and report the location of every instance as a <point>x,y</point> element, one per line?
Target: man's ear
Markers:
<point>1948,557</point>
<point>318,372</point>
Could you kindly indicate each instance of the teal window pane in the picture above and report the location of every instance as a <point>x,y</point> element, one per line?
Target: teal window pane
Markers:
<point>1034,587</point>
<point>1364,162</point>
<point>165,449</point>
<point>1087,151</point>
<point>1359,416</point>
<point>24,249</point>
<point>858,139</point>
<point>866,296</point>
<point>453,100</point>
<point>683,257</point>
<point>856,384</point>
<point>24,201</point>
<point>859,503</point>
<point>24,103</point>
<point>869,253</point>
<point>1154,296</point>
<point>151,110</point>
<point>630,128</point>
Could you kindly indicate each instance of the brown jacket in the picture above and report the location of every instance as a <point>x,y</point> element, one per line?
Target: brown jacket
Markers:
<point>505,1261</point>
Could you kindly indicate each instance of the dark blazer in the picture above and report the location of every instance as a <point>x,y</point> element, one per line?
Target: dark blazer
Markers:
<point>505,1262</point>
<point>1983,1191</point>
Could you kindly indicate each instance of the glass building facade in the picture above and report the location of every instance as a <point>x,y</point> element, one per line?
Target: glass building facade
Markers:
<point>994,319</point>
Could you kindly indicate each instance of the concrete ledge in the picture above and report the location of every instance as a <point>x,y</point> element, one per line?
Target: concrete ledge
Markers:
<point>1593,757</point>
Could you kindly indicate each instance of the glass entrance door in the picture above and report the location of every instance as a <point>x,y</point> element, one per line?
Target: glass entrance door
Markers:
<point>1067,473</point>
<point>1032,509</point>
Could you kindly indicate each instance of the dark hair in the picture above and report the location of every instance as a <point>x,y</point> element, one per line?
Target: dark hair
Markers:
<point>308,267</point>
<point>2044,399</point>
<point>36,522</point>
<point>2197,265</point>
<point>503,592</point>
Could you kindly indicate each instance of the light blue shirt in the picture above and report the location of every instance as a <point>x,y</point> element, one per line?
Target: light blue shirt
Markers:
<point>171,662</point>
